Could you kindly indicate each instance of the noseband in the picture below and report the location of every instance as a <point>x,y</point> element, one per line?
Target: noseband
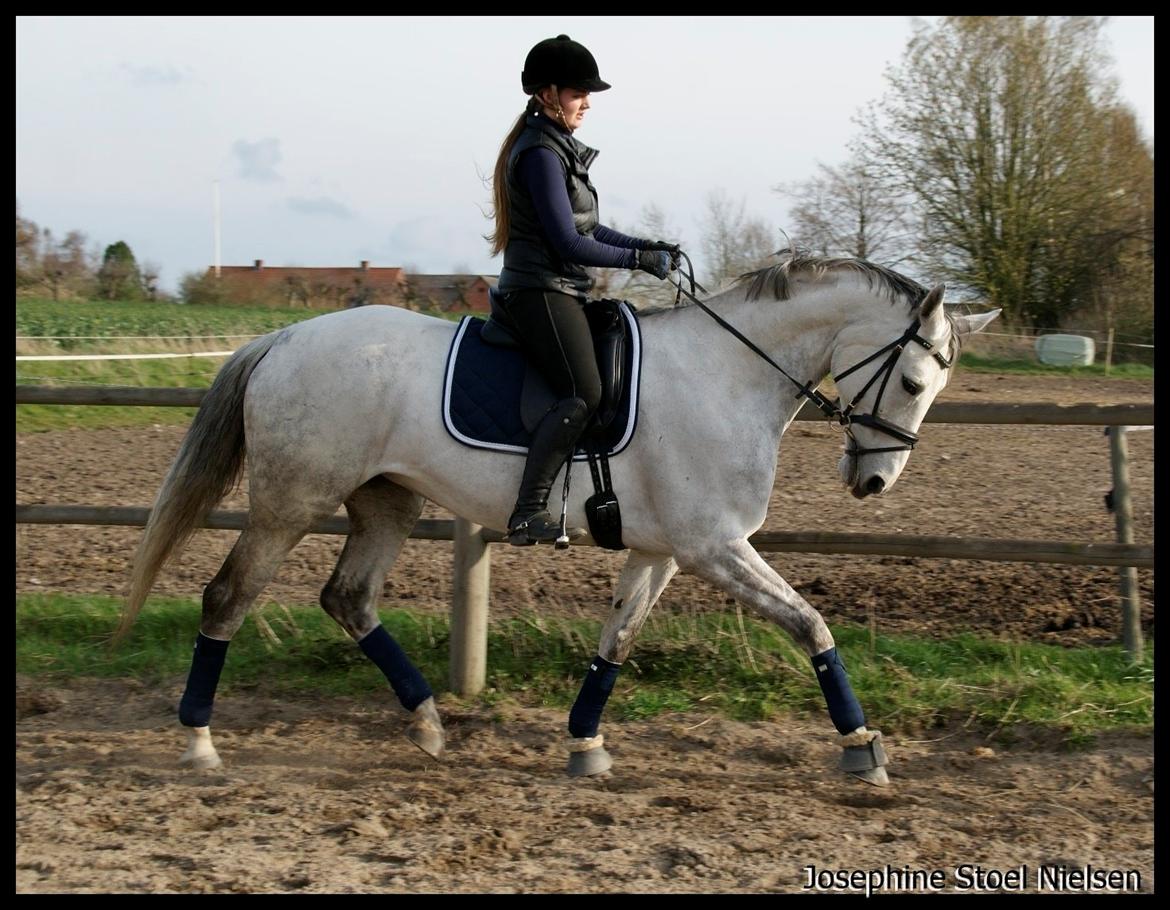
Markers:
<point>832,408</point>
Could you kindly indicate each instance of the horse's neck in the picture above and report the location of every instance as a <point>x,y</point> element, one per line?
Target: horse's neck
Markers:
<point>797,333</point>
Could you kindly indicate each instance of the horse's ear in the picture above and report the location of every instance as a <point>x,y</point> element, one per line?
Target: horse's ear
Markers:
<point>933,303</point>
<point>969,325</point>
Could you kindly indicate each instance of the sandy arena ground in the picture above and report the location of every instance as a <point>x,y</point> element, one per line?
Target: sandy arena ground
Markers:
<point>325,795</point>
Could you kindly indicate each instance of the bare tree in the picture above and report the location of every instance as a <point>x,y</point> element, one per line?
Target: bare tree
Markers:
<point>639,287</point>
<point>66,269</point>
<point>150,274</point>
<point>28,252</point>
<point>848,211</point>
<point>733,243</point>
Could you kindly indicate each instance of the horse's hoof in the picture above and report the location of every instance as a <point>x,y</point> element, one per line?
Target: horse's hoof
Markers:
<point>866,760</point>
<point>427,739</point>
<point>875,776</point>
<point>426,730</point>
<point>200,754</point>
<point>587,757</point>
<point>202,762</point>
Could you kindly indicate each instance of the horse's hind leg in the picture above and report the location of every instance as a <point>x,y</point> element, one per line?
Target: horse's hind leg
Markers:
<point>741,572</point>
<point>381,515</point>
<point>642,581</point>
<point>252,562</point>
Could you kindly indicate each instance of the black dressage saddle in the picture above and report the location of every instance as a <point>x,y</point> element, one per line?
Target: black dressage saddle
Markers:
<point>610,337</point>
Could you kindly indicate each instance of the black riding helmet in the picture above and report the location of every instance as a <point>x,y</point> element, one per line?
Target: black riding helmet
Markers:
<point>562,62</point>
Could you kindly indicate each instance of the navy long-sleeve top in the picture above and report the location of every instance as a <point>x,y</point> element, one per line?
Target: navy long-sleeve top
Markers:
<point>541,173</point>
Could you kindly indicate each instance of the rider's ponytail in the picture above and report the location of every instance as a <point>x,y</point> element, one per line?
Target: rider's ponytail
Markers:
<point>499,237</point>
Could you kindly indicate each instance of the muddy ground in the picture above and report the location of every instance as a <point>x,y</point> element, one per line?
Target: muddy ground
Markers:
<point>324,795</point>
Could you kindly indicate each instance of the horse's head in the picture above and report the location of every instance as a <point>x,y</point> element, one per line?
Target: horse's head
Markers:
<point>888,372</point>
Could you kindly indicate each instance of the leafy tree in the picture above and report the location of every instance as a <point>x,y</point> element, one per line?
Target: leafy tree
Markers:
<point>202,288</point>
<point>1026,173</point>
<point>119,277</point>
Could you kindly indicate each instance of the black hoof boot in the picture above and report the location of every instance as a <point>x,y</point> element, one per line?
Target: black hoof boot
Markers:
<point>866,761</point>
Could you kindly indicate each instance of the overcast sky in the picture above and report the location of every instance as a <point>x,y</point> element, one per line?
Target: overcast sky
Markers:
<point>346,138</point>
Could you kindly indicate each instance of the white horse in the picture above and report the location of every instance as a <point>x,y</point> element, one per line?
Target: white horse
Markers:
<point>344,408</point>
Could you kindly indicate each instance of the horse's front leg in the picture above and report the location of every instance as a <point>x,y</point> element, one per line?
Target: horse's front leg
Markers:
<point>642,580</point>
<point>740,571</point>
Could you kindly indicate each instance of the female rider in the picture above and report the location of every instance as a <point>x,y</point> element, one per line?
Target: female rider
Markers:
<point>548,228</point>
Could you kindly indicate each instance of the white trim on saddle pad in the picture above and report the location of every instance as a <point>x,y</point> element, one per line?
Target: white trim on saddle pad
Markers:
<point>634,383</point>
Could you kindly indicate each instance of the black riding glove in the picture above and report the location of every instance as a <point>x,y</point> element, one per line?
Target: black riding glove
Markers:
<point>673,248</point>
<point>657,262</point>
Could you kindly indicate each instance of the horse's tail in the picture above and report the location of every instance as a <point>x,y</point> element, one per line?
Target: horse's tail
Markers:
<point>207,467</point>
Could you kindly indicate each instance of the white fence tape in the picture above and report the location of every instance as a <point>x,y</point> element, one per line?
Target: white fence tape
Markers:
<point>28,357</point>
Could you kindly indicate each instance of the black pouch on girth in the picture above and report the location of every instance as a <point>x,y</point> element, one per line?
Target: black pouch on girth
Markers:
<point>602,509</point>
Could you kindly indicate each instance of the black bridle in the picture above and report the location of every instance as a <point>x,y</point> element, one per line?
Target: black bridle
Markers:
<point>832,408</point>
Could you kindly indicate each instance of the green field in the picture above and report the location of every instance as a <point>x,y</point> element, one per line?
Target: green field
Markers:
<point>39,317</point>
<point>718,662</point>
<point>95,327</point>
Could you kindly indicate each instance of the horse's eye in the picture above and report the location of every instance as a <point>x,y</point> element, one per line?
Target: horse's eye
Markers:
<point>911,386</point>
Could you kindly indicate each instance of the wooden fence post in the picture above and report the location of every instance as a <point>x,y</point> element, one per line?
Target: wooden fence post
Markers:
<point>469,609</point>
<point>1131,607</point>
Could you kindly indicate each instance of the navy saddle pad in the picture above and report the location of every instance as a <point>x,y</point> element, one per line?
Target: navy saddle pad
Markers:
<point>482,386</point>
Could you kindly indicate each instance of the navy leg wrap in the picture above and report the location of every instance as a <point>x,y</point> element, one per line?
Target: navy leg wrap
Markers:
<point>408,684</point>
<point>586,713</point>
<point>198,697</point>
<point>844,708</point>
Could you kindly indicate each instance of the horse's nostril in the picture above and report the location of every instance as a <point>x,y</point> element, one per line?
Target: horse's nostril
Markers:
<point>875,485</point>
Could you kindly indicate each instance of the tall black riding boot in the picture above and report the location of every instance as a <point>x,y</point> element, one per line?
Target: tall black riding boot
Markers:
<point>551,446</point>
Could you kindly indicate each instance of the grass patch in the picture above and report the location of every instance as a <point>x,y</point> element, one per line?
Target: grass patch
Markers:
<point>977,364</point>
<point>194,372</point>
<point>717,662</point>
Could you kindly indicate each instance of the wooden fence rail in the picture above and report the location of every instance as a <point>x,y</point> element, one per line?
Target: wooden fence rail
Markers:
<point>993,549</point>
<point>1139,414</point>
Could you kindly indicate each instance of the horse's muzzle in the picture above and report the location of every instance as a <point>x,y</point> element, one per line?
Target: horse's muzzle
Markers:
<point>871,487</point>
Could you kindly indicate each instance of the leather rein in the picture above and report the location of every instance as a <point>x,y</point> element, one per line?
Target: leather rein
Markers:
<point>832,409</point>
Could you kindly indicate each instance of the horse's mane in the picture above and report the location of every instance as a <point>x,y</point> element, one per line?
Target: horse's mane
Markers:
<point>777,279</point>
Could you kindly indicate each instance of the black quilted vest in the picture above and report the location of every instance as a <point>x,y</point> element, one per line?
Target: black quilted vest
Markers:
<point>530,261</point>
